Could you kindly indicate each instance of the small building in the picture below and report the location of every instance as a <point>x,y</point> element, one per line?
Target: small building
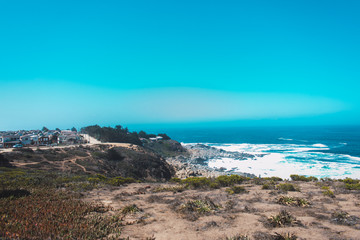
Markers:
<point>44,141</point>
<point>9,141</point>
<point>26,140</point>
<point>34,140</point>
<point>156,138</point>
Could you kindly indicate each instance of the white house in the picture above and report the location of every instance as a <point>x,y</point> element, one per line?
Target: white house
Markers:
<point>25,139</point>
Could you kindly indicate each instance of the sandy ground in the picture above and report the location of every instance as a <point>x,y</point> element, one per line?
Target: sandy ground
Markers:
<point>245,213</point>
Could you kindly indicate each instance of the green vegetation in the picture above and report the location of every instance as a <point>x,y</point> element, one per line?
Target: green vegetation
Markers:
<point>267,186</point>
<point>176,188</point>
<point>327,192</point>
<point>285,187</point>
<point>119,134</point>
<point>130,209</point>
<point>285,236</point>
<point>238,237</point>
<point>282,219</point>
<point>200,206</point>
<point>109,134</point>
<point>175,180</point>
<point>221,181</point>
<point>349,181</point>
<point>295,177</point>
<point>292,201</point>
<point>344,218</point>
<point>351,184</point>
<point>46,214</point>
<point>14,179</point>
<point>235,190</point>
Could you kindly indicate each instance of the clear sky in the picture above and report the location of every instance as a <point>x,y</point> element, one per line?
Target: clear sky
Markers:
<point>65,63</point>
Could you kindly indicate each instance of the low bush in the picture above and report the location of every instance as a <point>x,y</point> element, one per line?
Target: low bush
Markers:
<point>352,186</point>
<point>284,236</point>
<point>235,190</point>
<point>293,201</point>
<point>197,182</point>
<point>201,206</point>
<point>285,187</point>
<point>343,218</point>
<point>226,181</point>
<point>282,219</point>
<point>237,237</point>
<point>327,192</point>
<point>130,209</point>
<point>221,181</point>
<point>349,181</point>
<point>177,188</point>
<point>295,177</point>
<point>267,186</point>
<point>49,214</point>
<point>175,180</point>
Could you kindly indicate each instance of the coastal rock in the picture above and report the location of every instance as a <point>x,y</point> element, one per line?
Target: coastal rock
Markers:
<point>195,161</point>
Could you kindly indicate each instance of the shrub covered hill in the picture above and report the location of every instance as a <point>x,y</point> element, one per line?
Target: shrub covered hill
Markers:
<point>139,159</point>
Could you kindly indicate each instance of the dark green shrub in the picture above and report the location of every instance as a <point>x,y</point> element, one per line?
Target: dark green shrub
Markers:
<point>295,177</point>
<point>130,209</point>
<point>197,182</point>
<point>267,186</point>
<point>231,180</point>
<point>287,187</point>
<point>352,186</point>
<point>350,181</point>
<point>175,180</point>
<point>282,219</point>
<point>292,201</point>
<point>117,181</point>
<point>235,190</point>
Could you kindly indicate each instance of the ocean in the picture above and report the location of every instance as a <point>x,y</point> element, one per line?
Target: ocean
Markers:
<point>332,152</point>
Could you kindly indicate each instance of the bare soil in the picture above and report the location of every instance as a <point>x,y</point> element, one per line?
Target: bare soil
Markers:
<point>245,213</point>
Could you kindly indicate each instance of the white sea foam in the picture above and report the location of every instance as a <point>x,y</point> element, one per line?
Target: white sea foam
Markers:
<point>286,139</point>
<point>285,159</point>
<point>319,145</point>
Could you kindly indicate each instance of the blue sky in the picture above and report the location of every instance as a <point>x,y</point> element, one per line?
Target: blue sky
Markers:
<point>65,63</point>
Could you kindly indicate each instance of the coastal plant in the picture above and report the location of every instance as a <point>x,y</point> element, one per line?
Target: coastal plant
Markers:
<point>285,187</point>
<point>349,181</point>
<point>177,188</point>
<point>192,209</point>
<point>117,181</point>
<point>226,181</point>
<point>344,218</point>
<point>282,219</point>
<point>213,183</point>
<point>352,186</point>
<point>235,190</point>
<point>238,237</point>
<point>200,206</point>
<point>197,182</point>
<point>267,186</point>
<point>302,178</point>
<point>327,192</point>
<point>284,236</point>
<point>130,209</point>
<point>292,201</point>
<point>50,214</point>
<point>175,180</point>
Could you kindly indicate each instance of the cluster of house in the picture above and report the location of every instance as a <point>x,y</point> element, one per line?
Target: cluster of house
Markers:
<point>30,138</point>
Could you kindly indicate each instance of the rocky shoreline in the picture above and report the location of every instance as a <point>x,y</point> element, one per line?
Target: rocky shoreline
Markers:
<point>194,163</point>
